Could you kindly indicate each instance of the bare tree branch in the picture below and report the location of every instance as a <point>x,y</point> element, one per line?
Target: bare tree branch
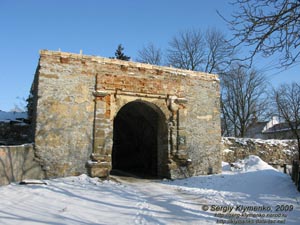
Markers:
<point>195,50</point>
<point>287,97</point>
<point>268,27</point>
<point>150,54</point>
<point>218,51</point>
<point>186,50</point>
<point>242,98</point>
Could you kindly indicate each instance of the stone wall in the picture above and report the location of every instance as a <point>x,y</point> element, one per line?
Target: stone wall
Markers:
<point>203,125</point>
<point>18,163</point>
<point>277,152</point>
<point>78,98</point>
<point>64,114</point>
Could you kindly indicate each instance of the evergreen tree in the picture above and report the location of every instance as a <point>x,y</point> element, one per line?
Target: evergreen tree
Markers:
<point>120,55</point>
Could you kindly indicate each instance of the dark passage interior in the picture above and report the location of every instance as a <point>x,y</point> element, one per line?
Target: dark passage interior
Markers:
<point>135,140</point>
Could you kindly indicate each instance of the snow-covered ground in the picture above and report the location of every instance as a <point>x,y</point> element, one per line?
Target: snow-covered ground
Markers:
<point>270,196</point>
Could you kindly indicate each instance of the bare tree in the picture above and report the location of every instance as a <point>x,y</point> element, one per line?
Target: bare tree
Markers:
<point>219,53</point>
<point>150,54</point>
<point>194,50</point>
<point>269,26</point>
<point>242,99</point>
<point>287,97</point>
<point>186,50</point>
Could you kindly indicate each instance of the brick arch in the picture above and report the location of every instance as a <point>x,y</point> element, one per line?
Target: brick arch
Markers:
<point>140,138</point>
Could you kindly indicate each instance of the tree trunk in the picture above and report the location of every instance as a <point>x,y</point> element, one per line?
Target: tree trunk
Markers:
<point>298,142</point>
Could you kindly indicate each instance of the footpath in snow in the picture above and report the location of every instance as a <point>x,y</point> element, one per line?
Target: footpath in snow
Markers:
<point>254,193</point>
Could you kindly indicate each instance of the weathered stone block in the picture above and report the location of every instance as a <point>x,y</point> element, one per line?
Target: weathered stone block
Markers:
<point>101,172</point>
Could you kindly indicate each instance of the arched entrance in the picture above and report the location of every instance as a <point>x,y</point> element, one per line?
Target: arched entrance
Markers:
<point>139,136</point>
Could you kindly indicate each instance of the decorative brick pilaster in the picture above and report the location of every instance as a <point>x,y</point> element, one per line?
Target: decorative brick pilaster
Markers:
<point>100,163</point>
<point>177,129</point>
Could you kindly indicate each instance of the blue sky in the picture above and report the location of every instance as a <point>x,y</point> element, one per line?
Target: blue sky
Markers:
<point>96,27</point>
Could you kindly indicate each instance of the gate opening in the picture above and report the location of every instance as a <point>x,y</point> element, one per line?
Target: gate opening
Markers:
<point>136,141</point>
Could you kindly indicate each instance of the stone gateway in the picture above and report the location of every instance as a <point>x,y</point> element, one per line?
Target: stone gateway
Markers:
<point>95,115</point>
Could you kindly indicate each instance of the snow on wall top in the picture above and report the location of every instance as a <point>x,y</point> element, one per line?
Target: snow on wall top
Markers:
<point>6,117</point>
<point>102,60</point>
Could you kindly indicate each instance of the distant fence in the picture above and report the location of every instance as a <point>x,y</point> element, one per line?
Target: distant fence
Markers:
<point>17,163</point>
<point>295,174</point>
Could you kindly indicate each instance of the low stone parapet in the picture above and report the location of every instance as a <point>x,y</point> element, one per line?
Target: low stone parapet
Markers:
<point>274,152</point>
<point>18,163</point>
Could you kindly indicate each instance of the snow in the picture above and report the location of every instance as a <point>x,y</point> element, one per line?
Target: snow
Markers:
<point>244,141</point>
<point>272,142</point>
<point>227,150</point>
<point>9,116</point>
<point>91,162</point>
<point>125,200</point>
<point>288,152</point>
